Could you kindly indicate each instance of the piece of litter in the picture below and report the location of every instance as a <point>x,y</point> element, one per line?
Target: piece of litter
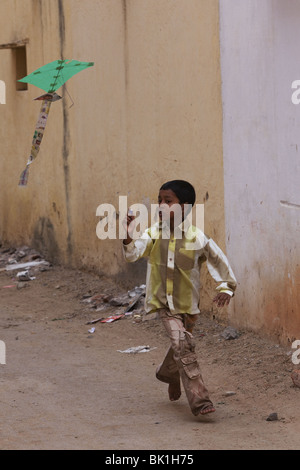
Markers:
<point>229,394</point>
<point>24,265</point>
<point>112,318</point>
<point>25,276</point>
<point>7,287</point>
<point>136,350</point>
<point>92,330</point>
<point>137,290</point>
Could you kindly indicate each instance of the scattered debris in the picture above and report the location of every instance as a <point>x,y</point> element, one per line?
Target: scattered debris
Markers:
<point>25,259</point>
<point>130,300</point>
<point>120,301</point>
<point>92,330</point>
<point>137,290</point>
<point>296,378</point>
<point>272,417</point>
<point>21,258</point>
<point>136,350</point>
<point>230,333</point>
<point>25,276</point>
<point>135,300</point>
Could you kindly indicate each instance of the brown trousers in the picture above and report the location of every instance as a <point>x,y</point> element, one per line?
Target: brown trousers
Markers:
<point>181,362</point>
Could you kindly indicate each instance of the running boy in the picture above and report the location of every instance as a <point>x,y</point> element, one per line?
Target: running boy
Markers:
<point>173,286</point>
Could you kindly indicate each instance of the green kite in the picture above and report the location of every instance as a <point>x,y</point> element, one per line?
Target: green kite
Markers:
<point>49,78</point>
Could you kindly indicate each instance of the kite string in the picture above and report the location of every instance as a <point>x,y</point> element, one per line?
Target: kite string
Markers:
<point>69,97</point>
<point>65,87</point>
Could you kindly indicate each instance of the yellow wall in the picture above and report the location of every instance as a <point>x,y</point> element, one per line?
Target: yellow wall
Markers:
<point>149,111</point>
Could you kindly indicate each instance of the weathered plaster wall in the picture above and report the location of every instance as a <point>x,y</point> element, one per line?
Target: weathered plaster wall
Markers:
<point>148,111</point>
<point>259,50</point>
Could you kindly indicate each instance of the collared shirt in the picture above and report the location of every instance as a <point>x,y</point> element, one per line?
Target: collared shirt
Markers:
<point>174,263</point>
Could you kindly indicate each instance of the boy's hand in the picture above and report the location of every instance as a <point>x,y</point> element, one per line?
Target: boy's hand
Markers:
<point>222,299</point>
<point>128,228</point>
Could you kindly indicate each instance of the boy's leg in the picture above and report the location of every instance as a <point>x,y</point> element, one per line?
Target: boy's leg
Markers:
<point>184,357</point>
<point>168,371</point>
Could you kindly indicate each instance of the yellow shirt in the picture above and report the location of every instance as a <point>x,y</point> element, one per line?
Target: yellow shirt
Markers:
<point>173,270</point>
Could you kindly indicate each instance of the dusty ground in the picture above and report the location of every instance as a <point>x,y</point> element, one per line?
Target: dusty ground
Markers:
<point>65,388</point>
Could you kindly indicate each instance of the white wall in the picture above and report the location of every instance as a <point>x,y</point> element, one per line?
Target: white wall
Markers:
<point>260,58</point>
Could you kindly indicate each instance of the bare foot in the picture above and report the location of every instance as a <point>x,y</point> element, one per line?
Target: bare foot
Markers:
<point>174,391</point>
<point>208,409</point>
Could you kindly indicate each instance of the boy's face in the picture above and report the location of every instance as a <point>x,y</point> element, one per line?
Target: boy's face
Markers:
<point>166,199</point>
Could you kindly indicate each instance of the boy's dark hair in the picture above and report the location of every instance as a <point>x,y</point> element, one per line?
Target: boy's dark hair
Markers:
<point>183,190</point>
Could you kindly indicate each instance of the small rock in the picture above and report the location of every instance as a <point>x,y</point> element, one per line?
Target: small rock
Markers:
<point>44,268</point>
<point>86,296</point>
<point>272,417</point>
<point>296,378</point>
<point>230,333</point>
<point>21,285</point>
<point>229,394</point>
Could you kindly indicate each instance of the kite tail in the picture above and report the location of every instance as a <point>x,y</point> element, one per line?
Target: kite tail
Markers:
<point>37,139</point>
<point>24,177</point>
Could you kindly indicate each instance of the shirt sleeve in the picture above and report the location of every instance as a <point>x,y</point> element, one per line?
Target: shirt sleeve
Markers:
<point>219,268</point>
<point>137,249</point>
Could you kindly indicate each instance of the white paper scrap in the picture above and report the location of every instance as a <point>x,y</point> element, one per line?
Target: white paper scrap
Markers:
<point>137,349</point>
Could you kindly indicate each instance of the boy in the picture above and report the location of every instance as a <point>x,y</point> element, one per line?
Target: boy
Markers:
<point>173,285</point>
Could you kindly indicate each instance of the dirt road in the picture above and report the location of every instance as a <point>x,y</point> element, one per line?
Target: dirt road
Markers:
<point>63,387</point>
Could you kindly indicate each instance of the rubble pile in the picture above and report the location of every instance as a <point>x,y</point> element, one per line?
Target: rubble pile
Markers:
<point>22,264</point>
<point>126,304</point>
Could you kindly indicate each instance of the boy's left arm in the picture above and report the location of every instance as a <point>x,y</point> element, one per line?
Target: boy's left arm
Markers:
<point>219,268</point>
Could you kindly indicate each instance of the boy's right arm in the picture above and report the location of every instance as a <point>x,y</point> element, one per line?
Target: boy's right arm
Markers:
<point>127,223</point>
<point>135,249</point>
